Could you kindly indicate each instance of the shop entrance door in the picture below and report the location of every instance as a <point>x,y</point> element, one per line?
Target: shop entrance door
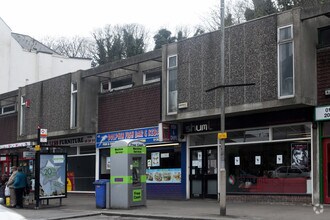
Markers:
<point>203,173</point>
<point>326,170</point>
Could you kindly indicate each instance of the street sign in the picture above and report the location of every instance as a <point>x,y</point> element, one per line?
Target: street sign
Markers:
<point>222,135</point>
<point>322,113</point>
<point>43,135</point>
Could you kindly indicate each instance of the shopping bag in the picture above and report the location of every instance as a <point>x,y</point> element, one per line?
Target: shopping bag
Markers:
<point>7,201</point>
<point>7,191</point>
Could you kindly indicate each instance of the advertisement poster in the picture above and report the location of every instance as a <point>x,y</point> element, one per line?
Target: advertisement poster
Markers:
<point>155,160</point>
<point>52,176</point>
<point>164,175</point>
<point>299,155</point>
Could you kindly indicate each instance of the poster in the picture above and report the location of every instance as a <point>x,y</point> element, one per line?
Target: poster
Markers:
<point>279,159</point>
<point>164,175</point>
<point>108,163</point>
<point>52,176</point>
<point>237,161</point>
<point>258,160</point>
<point>299,155</point>
<point>155,160</point>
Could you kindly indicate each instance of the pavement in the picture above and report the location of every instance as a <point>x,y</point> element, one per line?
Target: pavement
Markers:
<point>82,205</point>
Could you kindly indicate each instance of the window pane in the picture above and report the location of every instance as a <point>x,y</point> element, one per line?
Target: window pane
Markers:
<point>74,87</point>
<point>203,139</point>
<point>172,87</point>
<point>285,34</point>
<point>295,131</point>
<point>153,76</point>
<point>272,175</point>
<point>286,69</point>
<point>121,82</point>
<point>324,37</point>
<point>172,62</point>
<point>87,150</point>
<point>7,109</point>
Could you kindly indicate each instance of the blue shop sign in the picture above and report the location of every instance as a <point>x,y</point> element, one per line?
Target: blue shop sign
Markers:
<point>147,135</point>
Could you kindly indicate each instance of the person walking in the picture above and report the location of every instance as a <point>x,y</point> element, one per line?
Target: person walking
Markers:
<point>10,184</point>
<point>19,185</point>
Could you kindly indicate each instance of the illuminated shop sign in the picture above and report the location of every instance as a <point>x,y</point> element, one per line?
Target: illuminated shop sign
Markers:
<point>145,135</point>
<point>16,145</point>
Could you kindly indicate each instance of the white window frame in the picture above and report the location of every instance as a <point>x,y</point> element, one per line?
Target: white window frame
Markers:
<point>168,82</point>
<point>279,43</point>
<point>74,107</point>
<point>105,90</point>
<point>22,117</point>
<point>120,87</point>
<point>145,81</point>
<point>2,112</point>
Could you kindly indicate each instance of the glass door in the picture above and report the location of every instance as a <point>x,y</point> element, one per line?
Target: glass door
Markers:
<point>326,170</point>
<point>203,173</point>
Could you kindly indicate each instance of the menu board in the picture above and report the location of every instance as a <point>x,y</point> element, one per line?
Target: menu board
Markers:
<point>164,175</point>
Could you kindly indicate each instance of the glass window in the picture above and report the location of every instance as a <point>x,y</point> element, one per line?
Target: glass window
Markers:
<point>74,105</point>
<point>172,85</point>
<point>105,163</point>
<point>162,158</point>
<point>8,109</point>
<point>289,132</point>
<point>203,139</point>
<point>22,117</point>
<point>121,83</point>
<point>104,86</point>
<point>87,150</point>
<point>152,77</point>
<point>285,62</point>
<point>275,174</point>
<point>324,37</point>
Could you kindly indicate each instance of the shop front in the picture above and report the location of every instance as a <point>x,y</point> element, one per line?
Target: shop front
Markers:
<point>272,160</point>
<point>322,115</point>
<point>17,154</point>
<point>81,161</point>
<point>165,159</point>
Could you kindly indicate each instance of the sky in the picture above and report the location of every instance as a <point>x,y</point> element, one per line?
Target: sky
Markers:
<point>69,18</point>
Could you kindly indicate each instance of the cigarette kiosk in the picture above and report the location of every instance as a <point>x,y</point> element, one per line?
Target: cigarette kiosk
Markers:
<point>128,174</point>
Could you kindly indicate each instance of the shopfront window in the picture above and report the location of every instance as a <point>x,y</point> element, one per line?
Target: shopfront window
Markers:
<point>105,168</point>
<point>269,168</point>
<point>164,165</point>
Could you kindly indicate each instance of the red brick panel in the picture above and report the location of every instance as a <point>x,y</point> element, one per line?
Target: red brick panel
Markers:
<point>130,108</point>
<point>323,76</point>
<point>8,129</point>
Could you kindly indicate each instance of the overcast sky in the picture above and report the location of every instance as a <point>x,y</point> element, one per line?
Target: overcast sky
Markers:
<point>41,18</point>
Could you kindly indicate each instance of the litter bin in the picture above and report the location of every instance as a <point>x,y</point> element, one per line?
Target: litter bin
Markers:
<point>100,193</point>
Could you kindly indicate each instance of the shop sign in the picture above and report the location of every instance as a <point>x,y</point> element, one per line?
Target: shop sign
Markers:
<point>145,135</point>
<point>43,135</point>
<point>16,145</point>
<point>322,113</point>
<point>198,126</point>
<point>89,139</point>
<point>28,155</point>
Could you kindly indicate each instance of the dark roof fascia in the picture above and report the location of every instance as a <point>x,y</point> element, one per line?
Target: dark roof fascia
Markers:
<point>152,55</point>
<point>9,94</point>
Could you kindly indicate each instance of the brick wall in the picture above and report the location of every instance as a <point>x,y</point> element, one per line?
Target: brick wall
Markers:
<point>129,108</point>
<point>8,129</point>
<point>323,75</point>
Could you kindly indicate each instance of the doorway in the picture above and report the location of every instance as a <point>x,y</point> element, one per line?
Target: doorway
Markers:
<point>326,170</point>
<point>203,173</point>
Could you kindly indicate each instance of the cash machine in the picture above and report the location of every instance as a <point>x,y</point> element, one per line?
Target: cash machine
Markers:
<point>128,174</point>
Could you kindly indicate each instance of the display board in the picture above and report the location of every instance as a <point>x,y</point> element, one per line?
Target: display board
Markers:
<point>53,176</point>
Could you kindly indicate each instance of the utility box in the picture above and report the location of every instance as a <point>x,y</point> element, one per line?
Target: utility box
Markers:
<point>128,174</point>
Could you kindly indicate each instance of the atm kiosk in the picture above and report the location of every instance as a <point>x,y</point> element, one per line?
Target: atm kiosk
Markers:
<point>128,174</point>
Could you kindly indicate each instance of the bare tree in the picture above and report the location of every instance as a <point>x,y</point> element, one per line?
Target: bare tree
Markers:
<point>71,47</point>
